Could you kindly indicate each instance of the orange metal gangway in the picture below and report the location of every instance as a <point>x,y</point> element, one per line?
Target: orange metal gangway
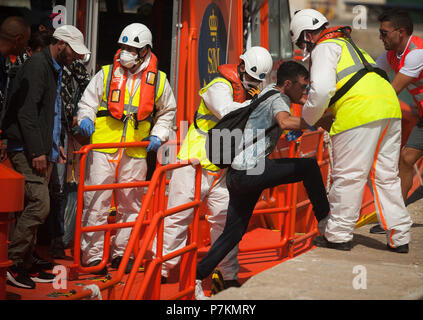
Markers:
<point>148,225</point>
<point>281,203</point>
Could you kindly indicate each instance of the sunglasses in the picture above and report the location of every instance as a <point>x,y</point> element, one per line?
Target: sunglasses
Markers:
<point>384,33</point>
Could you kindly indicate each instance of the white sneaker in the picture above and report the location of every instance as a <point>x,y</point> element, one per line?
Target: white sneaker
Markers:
<point>199,293</point>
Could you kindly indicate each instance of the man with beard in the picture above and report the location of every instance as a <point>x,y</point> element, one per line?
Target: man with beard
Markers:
<point>404,56</point>
<point>32,130</point>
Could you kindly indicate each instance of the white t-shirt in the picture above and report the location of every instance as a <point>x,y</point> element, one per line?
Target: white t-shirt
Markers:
<point>413,63</point>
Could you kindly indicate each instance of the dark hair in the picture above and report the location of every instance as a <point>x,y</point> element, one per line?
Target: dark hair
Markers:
<point>398,18</point>
<point>13,26</point>
<point>40,39</point>
<point>290,70</point>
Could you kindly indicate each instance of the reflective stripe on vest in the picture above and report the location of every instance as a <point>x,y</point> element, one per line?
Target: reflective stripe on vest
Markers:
<point>128,129</point>
<point>371,98</point>
<point>415,88</point>
<point>194,143</point>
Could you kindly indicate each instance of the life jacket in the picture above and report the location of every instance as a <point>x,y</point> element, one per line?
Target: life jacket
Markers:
<point>194,145</point>
<point>122,117</point>
<point>415,88</point>
<point>370,99</point>
<point>333,33</point>
<point>116,98</point>
<point>230,72</point>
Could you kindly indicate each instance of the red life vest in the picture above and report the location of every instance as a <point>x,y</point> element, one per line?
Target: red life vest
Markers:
<point>230,73</point>
<point>332,33</point>
<point>116,98</point>
<point>416,87</point>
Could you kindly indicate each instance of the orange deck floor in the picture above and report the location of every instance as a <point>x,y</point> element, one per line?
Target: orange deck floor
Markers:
<point>251,263</point>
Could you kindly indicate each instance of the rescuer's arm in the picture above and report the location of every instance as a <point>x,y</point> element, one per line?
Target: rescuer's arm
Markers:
<point>166,109</point>
<point>218,99</point>
<point>325,59</point>
<point>410,71</point>
<point>91,98</point>
<point>401,81</point>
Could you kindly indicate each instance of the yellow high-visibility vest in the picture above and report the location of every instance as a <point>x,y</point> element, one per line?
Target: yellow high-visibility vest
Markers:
<point>194,145</point>
<point>111,130</point>
<point>372,98</point>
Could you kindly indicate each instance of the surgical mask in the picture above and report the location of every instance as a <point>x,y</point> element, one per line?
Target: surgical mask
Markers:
<point>127,59</point>
<point>249,84</point>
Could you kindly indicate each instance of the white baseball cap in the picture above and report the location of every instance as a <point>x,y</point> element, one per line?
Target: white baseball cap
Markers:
<point>73,37</point>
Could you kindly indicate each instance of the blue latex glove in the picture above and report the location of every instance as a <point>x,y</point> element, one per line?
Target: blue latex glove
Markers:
<point>293,135</point>
<point>87,127</point>
<point>155,143</point>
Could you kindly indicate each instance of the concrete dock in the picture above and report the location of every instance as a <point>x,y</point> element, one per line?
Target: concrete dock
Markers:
<point>369,271</point>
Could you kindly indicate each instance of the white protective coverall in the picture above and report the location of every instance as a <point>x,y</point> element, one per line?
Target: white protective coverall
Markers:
<point>101,169</point>
<point>367,153</point>
<point>218,99</point>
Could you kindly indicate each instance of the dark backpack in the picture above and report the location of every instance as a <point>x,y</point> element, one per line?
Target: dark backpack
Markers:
<point>223,140</point>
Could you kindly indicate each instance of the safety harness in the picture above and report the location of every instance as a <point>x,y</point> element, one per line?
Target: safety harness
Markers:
<point>344,32</point>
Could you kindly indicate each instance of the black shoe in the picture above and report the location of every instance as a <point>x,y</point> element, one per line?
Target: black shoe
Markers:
<point>322,242</point>
<point>217,282</point>
<point>18,276</point>
<point>377,229</point>
<point>163,280</point>
<point>116,263</point>
<point>38,275</point>
<point>102,272</point>
<point>400,249</point>
<point>38,262</point>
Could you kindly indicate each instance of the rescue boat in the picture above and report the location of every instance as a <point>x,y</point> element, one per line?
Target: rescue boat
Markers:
<point>191,39</point>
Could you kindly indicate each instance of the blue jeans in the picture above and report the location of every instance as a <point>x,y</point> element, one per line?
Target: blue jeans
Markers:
<point>244,192</point>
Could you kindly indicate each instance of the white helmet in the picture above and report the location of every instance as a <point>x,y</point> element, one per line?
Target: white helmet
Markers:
<point>258,62</point>
<point>136,35</point>
<point>306,19</point>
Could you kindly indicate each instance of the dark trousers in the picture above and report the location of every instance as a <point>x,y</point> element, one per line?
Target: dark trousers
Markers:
<point>244,192</point>
<point>35,212</point>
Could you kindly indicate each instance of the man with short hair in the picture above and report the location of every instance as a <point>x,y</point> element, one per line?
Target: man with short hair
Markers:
<point>225,93</point>
<point>404,55</point>
<point>30,126</point>
<point>245,188</point>
<point>14,36</point>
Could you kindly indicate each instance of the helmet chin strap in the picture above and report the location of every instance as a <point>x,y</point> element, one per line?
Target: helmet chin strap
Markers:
<point>141,59</point>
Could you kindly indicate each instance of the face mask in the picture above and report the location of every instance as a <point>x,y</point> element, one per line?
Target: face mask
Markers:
<point>127,59</point>
<point>249,84</point>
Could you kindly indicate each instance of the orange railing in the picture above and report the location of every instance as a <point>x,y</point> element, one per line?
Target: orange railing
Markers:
<point>148,225</point>
<point>283,203</point>
<point>286,205</point>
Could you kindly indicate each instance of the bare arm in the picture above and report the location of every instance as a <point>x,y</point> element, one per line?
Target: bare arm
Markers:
<point>401,81</point>
<point>286,121</point>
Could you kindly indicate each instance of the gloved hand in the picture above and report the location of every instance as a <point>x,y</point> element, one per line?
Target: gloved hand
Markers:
<point>155,143</point>
<point>293,135</point>
<point>87,127</point>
